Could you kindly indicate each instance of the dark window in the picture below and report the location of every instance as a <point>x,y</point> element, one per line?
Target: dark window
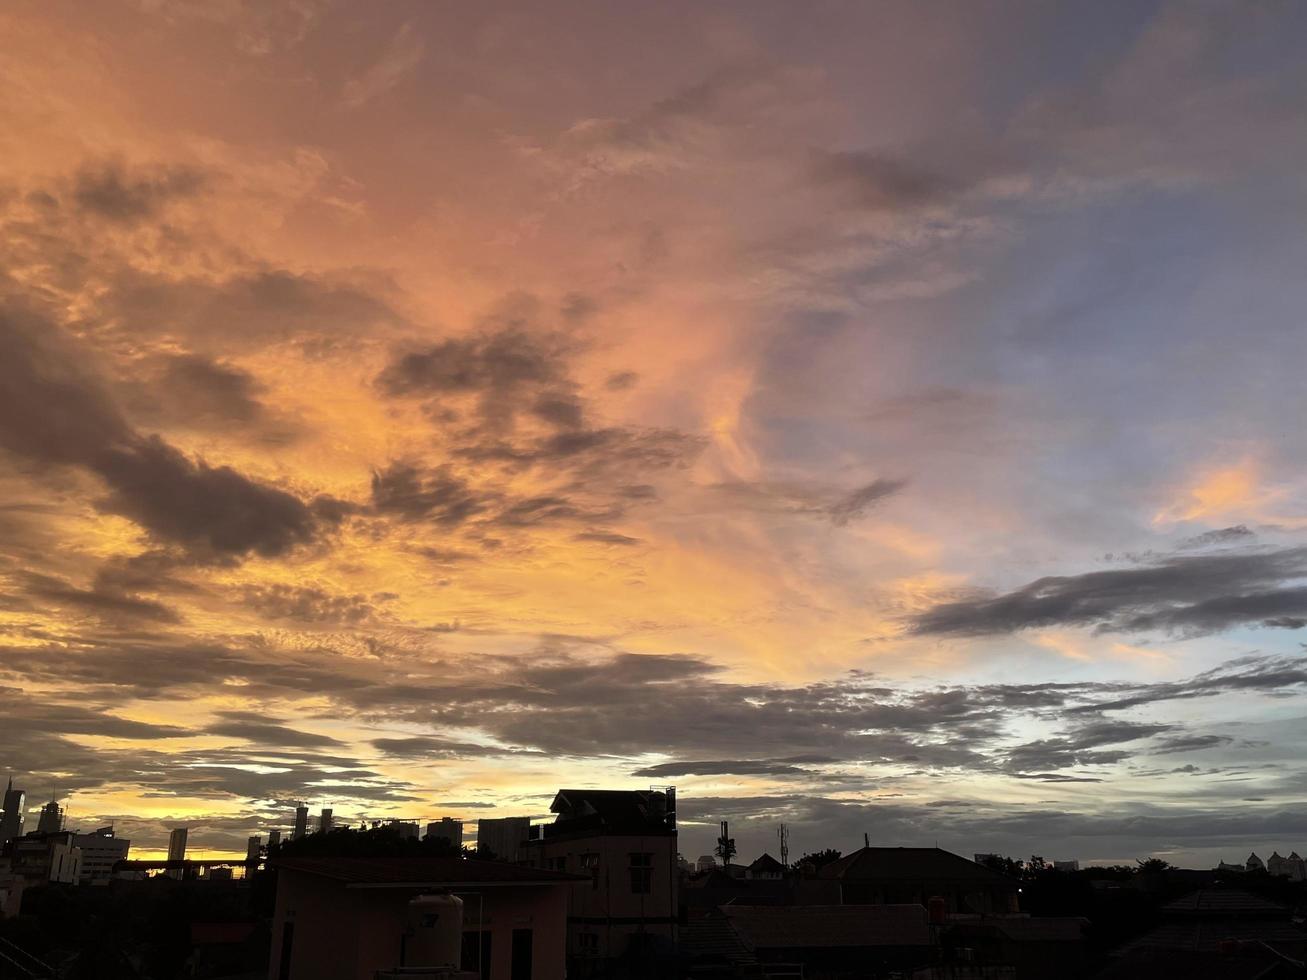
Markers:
<point>587,944</point>
<point>641,874</point>
<point>521,962</point>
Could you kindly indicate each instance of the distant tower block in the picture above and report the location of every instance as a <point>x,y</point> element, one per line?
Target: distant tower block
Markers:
<point>11,823</point>
<point>177,844</point>
<point>448,828</point>
<point>51,820</point>
<point>325,821</point>
<point>301,822</point>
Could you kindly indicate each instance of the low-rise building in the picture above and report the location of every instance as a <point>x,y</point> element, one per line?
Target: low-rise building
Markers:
<point>624,843</point>
<point>346,918</point>
<point>901,875</point>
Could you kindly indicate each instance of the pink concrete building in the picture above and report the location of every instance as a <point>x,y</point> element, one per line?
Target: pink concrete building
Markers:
<point>345,918</point>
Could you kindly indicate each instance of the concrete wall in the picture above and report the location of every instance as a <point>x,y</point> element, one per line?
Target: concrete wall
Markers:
<point>605,907</point>
<point>350,933</point>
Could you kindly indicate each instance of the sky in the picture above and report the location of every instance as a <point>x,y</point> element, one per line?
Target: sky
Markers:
<point>877,418</point>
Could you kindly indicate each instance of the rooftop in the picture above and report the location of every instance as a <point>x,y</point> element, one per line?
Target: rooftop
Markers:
<point>1224,902</point>
<point>806,926</point>
<point>608,811</point>
<point>421,872</point>
<point>907,863</point>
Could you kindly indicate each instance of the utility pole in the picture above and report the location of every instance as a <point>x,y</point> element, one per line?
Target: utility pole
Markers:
<point>783,833</point>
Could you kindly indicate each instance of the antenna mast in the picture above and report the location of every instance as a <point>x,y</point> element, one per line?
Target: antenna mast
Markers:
<point>783,834</point>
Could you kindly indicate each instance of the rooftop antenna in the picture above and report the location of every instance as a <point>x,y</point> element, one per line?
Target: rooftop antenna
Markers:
<point>866,839</point>
<point>783,833</point>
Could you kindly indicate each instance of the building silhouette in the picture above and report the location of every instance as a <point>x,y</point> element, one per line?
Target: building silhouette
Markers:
<point>51,820</point>
<point>11,821</point>
<point>325,821</point>
<point>447,828</point>
<point>177,844</point>
<point>301,822</point>
<point>503,837</point>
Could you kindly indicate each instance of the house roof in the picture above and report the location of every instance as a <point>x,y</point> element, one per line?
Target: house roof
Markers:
<point>766,864</point>
<point>421,872</point>
<point>1222,902</point>
<point>1026,928</point>
<point>808,926</point>
<point>871,863</point>
<point>608,811</point>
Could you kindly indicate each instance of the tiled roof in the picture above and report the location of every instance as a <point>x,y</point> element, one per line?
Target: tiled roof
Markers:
<point>907,863</point>
<point>1223,901</point>
<point>807,926</point>
<point>424,872</point>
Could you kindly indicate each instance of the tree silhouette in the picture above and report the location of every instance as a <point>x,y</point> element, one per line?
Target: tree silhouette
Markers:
<point>816,859</point>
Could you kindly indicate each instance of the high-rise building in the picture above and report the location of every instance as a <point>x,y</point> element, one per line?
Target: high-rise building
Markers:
<point>253,849</point>
<point>324,821</point>
<point>101,850</point>
<point>503,837</point>
<point>11,821</point>
<point>51,820</point>
<point>177,844</point>
<point>274,839</point>
<point>301,822</point>
<point>448,828</point>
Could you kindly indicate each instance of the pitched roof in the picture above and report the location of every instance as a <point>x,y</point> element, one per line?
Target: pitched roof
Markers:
<point>766,864</point>
<point>807,926</point>
<point>612,811</point>
<point>1223,901</point>
<point>421,872</point>
<point>871,863</point>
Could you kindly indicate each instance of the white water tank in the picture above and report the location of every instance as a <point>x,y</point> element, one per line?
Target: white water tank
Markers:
<point>433,933</point>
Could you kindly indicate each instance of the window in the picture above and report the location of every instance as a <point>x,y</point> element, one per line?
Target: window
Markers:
<point>590,865</point>
<point>558,863</point>
<point>587,944</point>
<point>641,873</point>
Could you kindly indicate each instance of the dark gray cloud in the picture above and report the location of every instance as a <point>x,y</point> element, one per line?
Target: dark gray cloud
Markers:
<point>878,182</point>
<point>433,747</point>
<point>837,506</point>
<point>253,726</point>
<point>499,367</point>
<point>1189,743</point>
<point>722,767</point>
<point>111,191</point>
<point>855,504</point>
<point>1238,534</point>
<point>622,381</point>
<point>212,510</point>
<point>254,308</point>
<point>104,602</point>
<point>311,605</point>
<point>54,412</point>
<point>196,390</point>
<point>606,537</point>
<point>411,492</point>
<point>1182,593</point>
<point>1081,746</point>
